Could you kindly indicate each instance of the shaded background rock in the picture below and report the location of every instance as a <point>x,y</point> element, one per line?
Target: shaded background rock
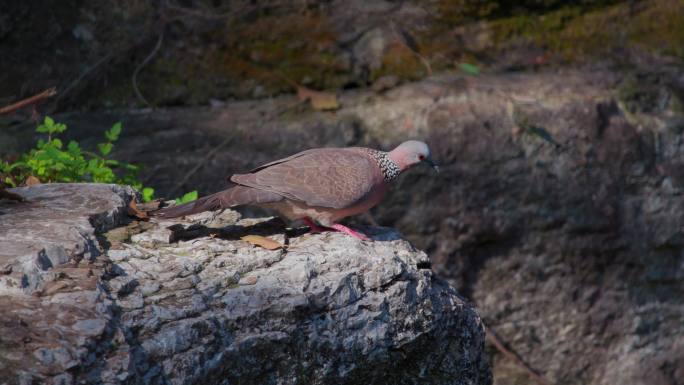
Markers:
<point>210,310</point>
<point>225,49</point>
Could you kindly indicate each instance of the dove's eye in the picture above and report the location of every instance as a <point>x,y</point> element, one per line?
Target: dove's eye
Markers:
<point>421,156</point>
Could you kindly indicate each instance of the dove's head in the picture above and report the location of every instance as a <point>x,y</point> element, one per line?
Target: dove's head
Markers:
<point>411,153</point>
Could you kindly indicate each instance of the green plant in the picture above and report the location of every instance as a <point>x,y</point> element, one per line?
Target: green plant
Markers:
<point>187,197</point>
<point>51,161</point>
<point>147,194</point>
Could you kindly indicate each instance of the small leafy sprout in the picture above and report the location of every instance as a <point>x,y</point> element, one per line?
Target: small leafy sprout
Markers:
<point>113,133</point>
<point>469,69</point>
<point>105,148</point>
<point>188,197</point>
<point>50,127</point>
<point>49,161</point>
<point>147,194</point>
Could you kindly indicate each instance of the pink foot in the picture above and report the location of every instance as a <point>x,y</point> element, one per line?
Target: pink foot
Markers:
<point>315,228</point>
<point>347,230</point>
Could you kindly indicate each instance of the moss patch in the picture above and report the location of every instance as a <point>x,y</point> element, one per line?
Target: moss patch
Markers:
<point>400,61</point>
<point>576,32</point>
<point>573,34</point>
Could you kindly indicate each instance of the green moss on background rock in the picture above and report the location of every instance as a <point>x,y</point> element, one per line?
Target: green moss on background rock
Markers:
<point>400,61</point>
<point>262,53</point>
<point>575,34</point>
<point>571,33</point>
<point>298,47</point>
<point>660,28</point>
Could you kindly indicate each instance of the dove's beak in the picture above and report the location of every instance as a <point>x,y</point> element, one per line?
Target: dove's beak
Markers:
<point>432,164</point>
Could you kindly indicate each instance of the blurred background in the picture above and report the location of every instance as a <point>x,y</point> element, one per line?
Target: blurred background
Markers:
<point>559,126</point>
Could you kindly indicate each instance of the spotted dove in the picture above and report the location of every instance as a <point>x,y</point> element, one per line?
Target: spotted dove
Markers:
<point>318,186</point>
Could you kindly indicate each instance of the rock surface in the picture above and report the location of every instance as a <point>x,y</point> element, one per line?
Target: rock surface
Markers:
<point>572,252</point>
<point>56,225</point>
<point>209,308</point>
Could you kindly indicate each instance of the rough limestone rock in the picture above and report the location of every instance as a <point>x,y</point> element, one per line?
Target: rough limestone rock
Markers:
<point>191,303</point>
<point>58,224</point>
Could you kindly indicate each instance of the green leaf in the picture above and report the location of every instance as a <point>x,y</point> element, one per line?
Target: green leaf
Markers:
<point>93,164</point>
<point>73,147</point>
<point>105,148</point>
<point>113,134</point>
<point>50,127</point>
<point>469,69</point>
<point>147,194</point>
<point>57,143</point>
<point>59,128</point>
<point>42,128</point>
<point>10,182</point>
<point>188,197</point>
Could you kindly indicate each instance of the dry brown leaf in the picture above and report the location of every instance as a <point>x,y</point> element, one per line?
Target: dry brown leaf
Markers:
<point>134,211</point>
<point>247,281</point>
<point>323,101</point>
<point>266,243</point>
<point>32,181</point>
<point>149,206</point>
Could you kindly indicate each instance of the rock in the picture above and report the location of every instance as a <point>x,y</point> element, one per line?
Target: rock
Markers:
<point>214,309</point>
<point>56,224</point>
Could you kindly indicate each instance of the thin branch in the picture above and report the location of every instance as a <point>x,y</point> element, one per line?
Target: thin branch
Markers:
<point>83,74</point>
<point>496,341</point>
<point>200,14</point>
<point>200,164</point>
<point>50,92</point>
<point>410,43</point>
<point>149,57</point>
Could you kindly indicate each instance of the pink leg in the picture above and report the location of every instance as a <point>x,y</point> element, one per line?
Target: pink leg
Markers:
<point>313,227</point>
<point>347,230</point>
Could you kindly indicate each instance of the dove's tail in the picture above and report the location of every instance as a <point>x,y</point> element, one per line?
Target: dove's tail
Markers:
<point>234,196</point>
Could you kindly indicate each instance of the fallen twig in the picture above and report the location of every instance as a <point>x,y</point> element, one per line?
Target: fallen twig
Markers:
<point>83,74</point>
<point>200,14</point>
<point>199,164</point>
<point>29,101</point>
<point>409,42</point>
<point>149,57</point>
<point>494,339</point>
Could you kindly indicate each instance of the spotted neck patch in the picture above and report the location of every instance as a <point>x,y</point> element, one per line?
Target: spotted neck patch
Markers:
<point>390,170</point>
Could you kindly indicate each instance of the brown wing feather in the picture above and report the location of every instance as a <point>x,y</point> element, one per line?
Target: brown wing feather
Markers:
<point>334,178</point>
<point>297,155</point>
